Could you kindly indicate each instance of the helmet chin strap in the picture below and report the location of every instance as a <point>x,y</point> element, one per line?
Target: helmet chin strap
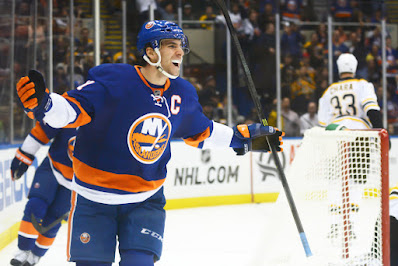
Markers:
<point>158,65</point>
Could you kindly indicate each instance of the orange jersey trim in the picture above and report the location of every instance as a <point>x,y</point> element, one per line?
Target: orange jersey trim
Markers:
<point>39,133</point>
<point>123,182</point>
<point>198,138</point>
<point>66,171</point>
<point>28,228</point>
<point>45,241</point>
<point>166,86</point>
<point>83,117</point>
<point>73,199</point>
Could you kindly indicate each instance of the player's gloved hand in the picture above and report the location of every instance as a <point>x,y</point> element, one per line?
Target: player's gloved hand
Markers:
<point>20,163</point>
<point>33,94</point>
<point>254,138</point>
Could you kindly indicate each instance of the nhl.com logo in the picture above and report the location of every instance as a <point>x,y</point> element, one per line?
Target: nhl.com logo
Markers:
<point>148,137</point>
<point>85,238</point>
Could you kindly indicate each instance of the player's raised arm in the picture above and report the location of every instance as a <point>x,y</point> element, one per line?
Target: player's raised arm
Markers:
<point>242,138</point>
<point>52,108</point>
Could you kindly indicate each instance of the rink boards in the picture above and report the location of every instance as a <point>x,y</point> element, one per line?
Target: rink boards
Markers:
<point>195,178</point>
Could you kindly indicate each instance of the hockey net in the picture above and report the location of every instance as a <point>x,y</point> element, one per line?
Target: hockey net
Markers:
<point>339,182</point>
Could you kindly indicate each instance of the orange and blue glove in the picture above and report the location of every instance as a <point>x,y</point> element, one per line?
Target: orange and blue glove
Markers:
<point>33,95</point>
<point>254,138</point>
<point>20,163</point>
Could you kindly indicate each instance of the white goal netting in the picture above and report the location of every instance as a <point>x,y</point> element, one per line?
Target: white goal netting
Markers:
<point>336,180</point>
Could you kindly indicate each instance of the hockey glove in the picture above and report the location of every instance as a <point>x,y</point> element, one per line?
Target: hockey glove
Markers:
<point>33,94</point>
<point>20,164</point>
<point>254,138</point>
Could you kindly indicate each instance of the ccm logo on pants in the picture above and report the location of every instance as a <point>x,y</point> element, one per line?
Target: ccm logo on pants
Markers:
<point>151,233</point>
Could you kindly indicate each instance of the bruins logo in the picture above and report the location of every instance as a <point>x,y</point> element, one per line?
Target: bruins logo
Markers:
<point>71,147</point>
<point>148,137</point>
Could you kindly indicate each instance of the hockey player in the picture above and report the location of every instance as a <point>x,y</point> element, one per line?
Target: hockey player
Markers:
<point>126,117</point>
<point>49,194</point>
<point>350,103</point>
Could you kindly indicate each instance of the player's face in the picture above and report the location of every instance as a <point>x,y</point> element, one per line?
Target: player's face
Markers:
<point>171,53</point>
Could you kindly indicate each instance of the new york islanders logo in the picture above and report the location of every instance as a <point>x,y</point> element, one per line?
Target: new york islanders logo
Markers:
<point>85,238</point>
<point>149,25</point>
<point>71,147</point>
<point>148,137</point>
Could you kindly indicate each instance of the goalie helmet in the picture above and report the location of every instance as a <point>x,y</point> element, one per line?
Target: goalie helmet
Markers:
<point>347,63</point>
<point>154,31</point>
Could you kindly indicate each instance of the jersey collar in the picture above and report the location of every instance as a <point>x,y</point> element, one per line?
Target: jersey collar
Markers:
<point>166,85</point>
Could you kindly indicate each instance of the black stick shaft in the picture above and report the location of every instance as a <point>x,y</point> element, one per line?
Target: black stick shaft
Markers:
<point>256,100</point>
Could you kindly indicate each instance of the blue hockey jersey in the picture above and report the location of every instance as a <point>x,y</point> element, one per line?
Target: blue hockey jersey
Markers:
<point>61,149</point>
<point>125,126</point>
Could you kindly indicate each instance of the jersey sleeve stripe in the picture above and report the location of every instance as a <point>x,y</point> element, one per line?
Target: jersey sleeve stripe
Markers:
<point>38,133</point>
<point>198,138</point>
<point>369,100</point>
<point>394,194</point>
<point>122,182</point>
<point>370,107</point>
<point>83,117</point>
<point>73,199</point>
<point>65,170</point>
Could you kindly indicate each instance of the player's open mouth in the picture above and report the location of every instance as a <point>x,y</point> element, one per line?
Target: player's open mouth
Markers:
<point>176,63</point>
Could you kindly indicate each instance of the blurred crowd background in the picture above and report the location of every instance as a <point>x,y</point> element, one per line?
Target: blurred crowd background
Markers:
<point>24,44</point>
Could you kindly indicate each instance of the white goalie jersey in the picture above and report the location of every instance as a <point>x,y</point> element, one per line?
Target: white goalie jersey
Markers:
<point>346,103</point>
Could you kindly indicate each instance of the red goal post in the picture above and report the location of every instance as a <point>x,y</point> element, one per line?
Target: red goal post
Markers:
<point>340,182</point>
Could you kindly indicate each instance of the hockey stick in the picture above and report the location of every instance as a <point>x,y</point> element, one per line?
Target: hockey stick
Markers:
<point>253,93</point>
<point>44,229</point>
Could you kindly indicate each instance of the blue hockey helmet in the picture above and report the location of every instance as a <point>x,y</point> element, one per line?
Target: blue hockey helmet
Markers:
<point>154,31</point>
